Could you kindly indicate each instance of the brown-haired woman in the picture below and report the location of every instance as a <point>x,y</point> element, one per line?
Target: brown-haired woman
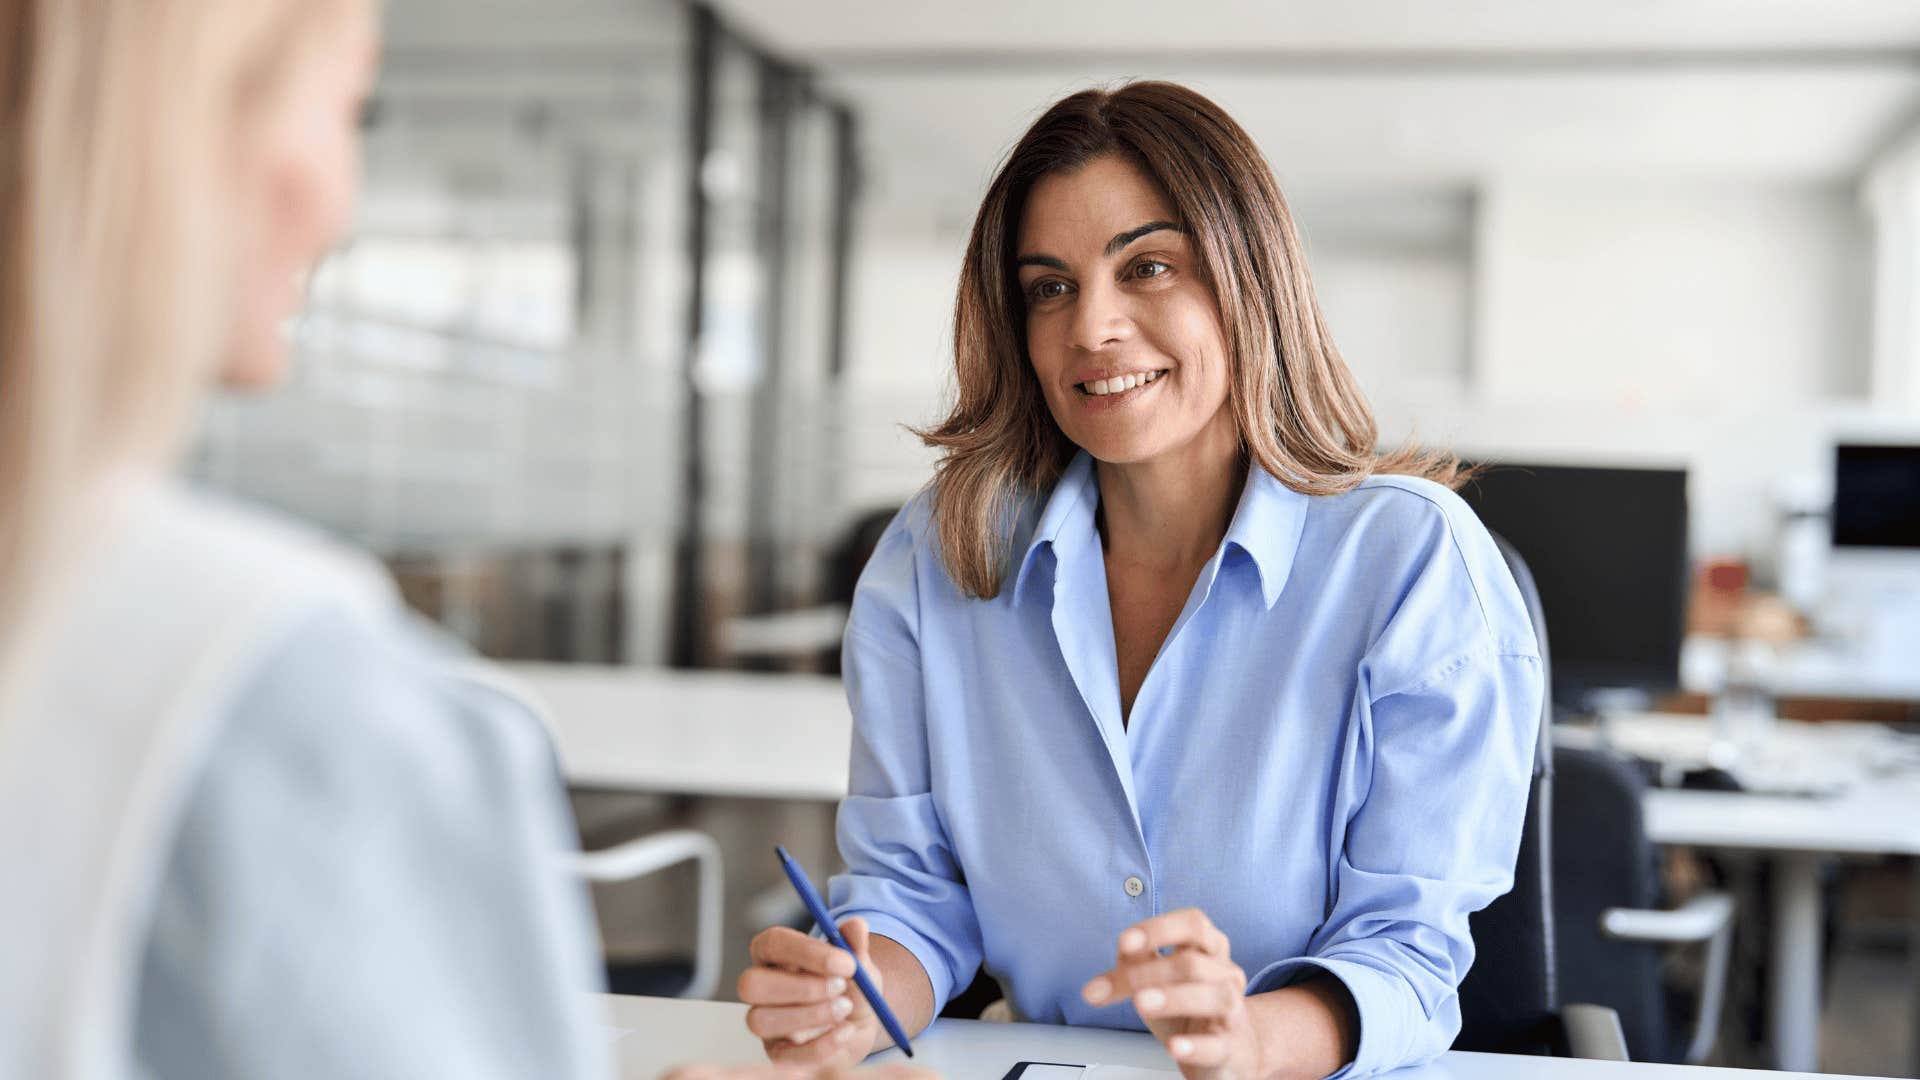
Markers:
<point>1175,706</point>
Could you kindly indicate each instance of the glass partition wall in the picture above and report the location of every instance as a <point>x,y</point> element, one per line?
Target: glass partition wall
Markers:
<point>569,375</point>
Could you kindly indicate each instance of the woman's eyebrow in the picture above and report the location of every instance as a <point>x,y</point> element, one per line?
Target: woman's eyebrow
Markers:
<point>1047,261</point>
<point>1114,245</point>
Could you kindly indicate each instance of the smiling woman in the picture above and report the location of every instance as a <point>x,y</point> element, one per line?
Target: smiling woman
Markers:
<point>1207,212</point>
<point>1175,707</point>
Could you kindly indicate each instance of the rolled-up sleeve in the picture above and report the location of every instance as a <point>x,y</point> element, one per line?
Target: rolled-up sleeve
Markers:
<point>902,875</point>
<point>1445,766</point>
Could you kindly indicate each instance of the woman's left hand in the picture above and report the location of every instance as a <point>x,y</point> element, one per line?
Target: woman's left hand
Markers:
<point>1193,998</point>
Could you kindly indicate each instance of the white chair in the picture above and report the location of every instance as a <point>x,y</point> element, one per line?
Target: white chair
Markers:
<point>636,858</point>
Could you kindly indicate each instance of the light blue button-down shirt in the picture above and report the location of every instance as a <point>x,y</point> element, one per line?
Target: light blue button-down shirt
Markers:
<point>1330,755</point>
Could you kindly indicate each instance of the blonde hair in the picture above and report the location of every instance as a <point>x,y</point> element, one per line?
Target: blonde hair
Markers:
<point>1300,413</point>
<point>118,260</point>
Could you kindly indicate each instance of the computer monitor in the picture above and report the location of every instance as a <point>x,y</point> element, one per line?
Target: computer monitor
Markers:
<point>1875,561</point>
<point>1608,552</point>
<point>1876,497</point>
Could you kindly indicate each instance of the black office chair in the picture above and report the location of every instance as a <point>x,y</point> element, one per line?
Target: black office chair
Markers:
<point>1610,929</point>
<point>1509,1001</point>
<point>848,558</point>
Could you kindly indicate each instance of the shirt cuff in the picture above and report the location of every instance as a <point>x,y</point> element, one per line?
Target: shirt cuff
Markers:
<point>931,958</point>
<point>1379,1003</point>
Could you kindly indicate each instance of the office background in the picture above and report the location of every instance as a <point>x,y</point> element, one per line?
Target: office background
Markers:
<point>643,293</point>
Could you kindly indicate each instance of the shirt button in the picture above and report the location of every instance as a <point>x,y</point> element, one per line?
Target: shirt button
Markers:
<point>1135,886</point>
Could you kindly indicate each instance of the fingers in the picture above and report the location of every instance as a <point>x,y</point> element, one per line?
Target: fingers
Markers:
<point>1195,1001</point>
<point>829,1047</point>
<point>858,939</point>
<point>1204,1051</point>
<point>1188,928</point>
<point>773,986</point>
<point>798,1023</point>
<point>785,947</point>
<point>1155,971</point>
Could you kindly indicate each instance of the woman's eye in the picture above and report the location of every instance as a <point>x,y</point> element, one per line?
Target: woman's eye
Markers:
<point>1048,289</point>
<point>1150,269</point>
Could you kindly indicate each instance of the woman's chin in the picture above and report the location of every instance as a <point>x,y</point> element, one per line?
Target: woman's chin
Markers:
<point>1117,448</point>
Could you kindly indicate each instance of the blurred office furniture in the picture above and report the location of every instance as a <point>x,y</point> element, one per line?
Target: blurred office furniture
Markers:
<point>649,1035</point>
<point>806,634</point>
<point>1836,790</point>
<point>720,733</point>
<point>630,860</point>
<point>1871,614</point>
<point>559,602</point>
<point>1867,622</point>
<point>1510,999</point>
<point>645,855</point>
<point>811,635</point>
<point>1609,917</point>
<point>1608,551</point>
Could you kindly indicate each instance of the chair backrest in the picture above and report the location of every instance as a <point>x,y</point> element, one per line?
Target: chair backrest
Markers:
<point>1604,860</point>
<point>1510,998</point>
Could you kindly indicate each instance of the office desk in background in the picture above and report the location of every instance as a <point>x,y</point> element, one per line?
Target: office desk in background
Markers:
<point>1872,813</point>
<point>1812,668</point>
<point>654,1034</point>
<point>715,733</point>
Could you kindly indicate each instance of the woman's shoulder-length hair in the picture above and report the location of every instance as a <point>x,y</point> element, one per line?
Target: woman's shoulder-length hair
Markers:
<point>1300,413</point>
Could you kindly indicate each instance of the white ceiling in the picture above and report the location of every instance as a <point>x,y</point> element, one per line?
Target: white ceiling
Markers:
<point>813,27</point>
<point>1380,94</point>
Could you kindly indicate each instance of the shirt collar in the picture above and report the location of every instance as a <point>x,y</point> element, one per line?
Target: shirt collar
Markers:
<point>1066,521</point>
<point>1266,524</point>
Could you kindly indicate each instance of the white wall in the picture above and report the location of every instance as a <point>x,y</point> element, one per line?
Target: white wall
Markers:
<point>900,355</point>
<point>1716,295</point>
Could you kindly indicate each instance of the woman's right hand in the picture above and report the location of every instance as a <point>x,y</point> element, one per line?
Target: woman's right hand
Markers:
<point>802,1002</point>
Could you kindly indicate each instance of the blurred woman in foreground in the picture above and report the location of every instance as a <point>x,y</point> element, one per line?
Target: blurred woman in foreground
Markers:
<point>247,828</point>
<point>248,825</point>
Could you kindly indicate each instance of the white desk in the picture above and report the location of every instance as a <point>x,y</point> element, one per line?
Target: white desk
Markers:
<point>1812,669</point>
<point>654,1034</point>
<point>696,732</point>
<point>1876,815</point>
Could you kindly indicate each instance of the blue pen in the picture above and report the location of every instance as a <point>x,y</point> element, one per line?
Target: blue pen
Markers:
<point>818,909</point>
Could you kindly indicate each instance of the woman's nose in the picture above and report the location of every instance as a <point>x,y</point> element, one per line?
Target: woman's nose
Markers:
<point>1100,319</point>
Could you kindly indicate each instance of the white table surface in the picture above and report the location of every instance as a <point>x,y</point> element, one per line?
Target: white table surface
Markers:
<point>1873,774</point>
<point>654,1034</point>
<point>726,733</point>
<point>1812,668</point>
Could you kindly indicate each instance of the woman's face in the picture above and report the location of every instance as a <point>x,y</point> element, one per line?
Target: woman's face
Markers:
<point>1123,333</point>
<point>297,180</point>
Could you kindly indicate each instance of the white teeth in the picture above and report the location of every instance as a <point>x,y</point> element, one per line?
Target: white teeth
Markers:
<point>1120,383</point>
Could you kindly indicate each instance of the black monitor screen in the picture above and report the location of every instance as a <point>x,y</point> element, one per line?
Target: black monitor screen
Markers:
<point>1876,496</point>
<point>1608,552</point>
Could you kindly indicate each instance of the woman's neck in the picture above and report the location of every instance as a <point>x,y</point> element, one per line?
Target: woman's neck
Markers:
<point>1170,513</point>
